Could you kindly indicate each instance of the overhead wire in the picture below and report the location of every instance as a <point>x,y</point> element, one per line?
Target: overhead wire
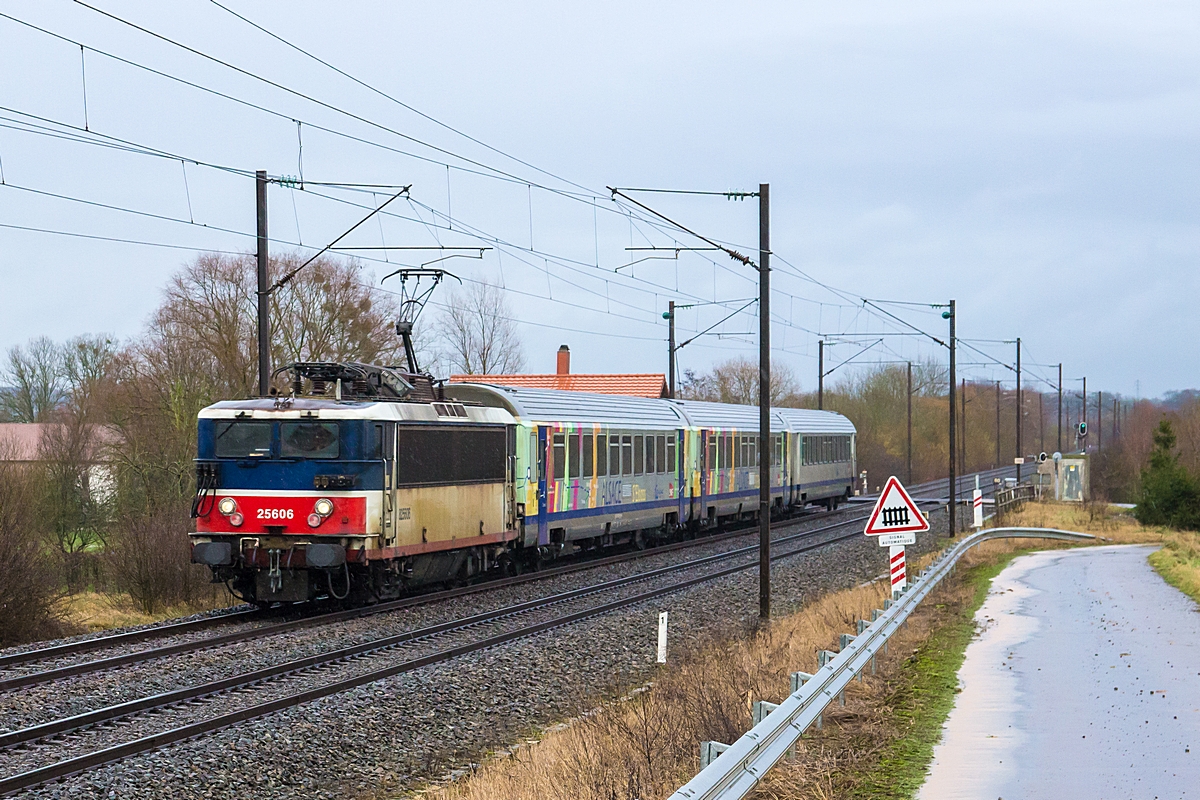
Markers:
<point>491,171</point>
<point>393,99</point>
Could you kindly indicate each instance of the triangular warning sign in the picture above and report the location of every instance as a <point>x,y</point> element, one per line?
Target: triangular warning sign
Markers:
<point>895,512</point>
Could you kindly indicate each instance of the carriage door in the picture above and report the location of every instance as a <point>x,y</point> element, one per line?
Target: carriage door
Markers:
<point>702,460</point>
<point>510,478</point>
<point>543,522</point>
<point>387,440</point>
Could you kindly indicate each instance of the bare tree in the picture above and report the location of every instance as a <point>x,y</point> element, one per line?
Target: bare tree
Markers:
<point>475,334</point>
<point>736,381</point>
<point>36,376</point>
<point>328,312</point>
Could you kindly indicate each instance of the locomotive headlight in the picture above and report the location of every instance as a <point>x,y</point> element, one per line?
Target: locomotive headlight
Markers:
<point>227,506</point>
<point>323,507</point>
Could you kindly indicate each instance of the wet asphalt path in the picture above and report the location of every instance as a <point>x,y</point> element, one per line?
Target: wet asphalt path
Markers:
<point>1085,683</point>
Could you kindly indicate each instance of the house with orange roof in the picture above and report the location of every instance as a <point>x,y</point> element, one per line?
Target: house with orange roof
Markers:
<point>632,384</point>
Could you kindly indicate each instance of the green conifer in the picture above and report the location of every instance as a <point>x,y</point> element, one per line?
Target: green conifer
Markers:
<point>1169,495</point>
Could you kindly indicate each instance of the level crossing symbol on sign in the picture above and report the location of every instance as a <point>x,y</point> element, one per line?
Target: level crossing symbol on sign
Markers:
<point>895,512</point>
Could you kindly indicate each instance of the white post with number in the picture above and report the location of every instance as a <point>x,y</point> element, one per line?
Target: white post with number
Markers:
<point>662,637</point>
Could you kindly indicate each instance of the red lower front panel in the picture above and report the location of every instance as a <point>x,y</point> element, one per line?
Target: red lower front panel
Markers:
<point>279,515</point>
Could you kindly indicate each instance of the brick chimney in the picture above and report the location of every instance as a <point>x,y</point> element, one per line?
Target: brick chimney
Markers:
<point>564,360</point>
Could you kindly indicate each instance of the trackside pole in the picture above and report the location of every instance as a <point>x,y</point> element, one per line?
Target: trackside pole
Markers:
<point>662,637</point>
<point>765,450</point>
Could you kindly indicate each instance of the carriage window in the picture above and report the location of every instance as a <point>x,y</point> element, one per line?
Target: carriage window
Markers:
<point>243,440</point>
<point>627,454</point>
<point>639,455</point>
<point>712,452</point>
<point>752,450</point>
<point>651,463</point>
<point>308,439</point>
<point>560,456</point>
<point>573,455</point>
<point>779,450</point>
<point>601,455</point>
<point>671,466</point>
<point>727,451</point>
<point>588,454</point>
<point>614,455</point>
<point>661,454</point>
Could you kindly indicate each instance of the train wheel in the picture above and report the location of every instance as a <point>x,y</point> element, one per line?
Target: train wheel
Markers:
<point>508,566</point>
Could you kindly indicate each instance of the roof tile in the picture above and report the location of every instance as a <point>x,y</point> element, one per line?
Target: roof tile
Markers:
<point>630,384</point>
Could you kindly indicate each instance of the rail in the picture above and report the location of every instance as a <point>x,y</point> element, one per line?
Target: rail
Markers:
<point>739,767</point>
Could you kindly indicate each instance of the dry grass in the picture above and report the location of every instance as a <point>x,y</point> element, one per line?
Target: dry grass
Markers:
<point>647,744</point>
<point>1179,562</point>
<point>1111,522</point>
<point>97,611</point>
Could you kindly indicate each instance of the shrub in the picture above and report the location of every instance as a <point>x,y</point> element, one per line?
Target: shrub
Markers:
<point>29,586</point>
<point>1169,495</point>
<point>149,559</point>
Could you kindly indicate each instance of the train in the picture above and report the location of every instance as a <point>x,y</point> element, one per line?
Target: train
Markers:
<point>366,482</point>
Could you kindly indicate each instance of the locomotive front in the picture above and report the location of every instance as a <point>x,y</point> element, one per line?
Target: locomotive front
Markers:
<point>287,493</point>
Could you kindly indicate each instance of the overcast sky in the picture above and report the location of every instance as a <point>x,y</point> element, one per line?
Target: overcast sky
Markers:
<point>1036,162</point>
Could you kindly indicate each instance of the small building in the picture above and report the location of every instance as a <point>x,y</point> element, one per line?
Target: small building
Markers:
<point>632,384</point>
<point>35,443</point>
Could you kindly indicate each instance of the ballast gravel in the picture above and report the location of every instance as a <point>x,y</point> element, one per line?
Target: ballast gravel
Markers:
<point>37,704</point>
<point>400,731</point>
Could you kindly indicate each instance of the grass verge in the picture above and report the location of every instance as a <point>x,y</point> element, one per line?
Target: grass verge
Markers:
<point>1178,561</point>
<point>922,704</point>
<point>90,611</point>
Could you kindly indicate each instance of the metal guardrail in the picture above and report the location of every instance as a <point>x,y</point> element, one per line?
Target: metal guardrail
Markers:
<point>738,768</point>
<point>1012,499</point>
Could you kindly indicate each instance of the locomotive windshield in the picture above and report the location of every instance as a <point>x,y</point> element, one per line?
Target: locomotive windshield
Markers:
<point>243,440</point>
<point>308,439</point>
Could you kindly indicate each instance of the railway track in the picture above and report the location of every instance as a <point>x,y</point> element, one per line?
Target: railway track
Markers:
<point>71,733</point>
<point>112,662</point>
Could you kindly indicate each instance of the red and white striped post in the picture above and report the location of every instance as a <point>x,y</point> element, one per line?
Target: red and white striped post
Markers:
<point>899,574</point>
